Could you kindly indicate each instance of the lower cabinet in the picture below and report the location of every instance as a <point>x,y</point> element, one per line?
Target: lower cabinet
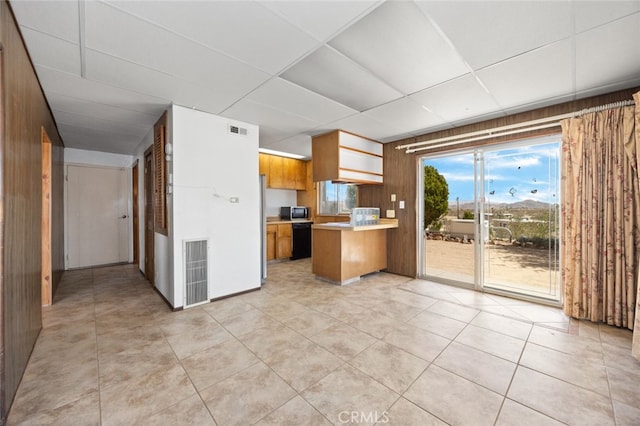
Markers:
<point>279,241</point>
<point>283,250</point>
<point>272,231</point>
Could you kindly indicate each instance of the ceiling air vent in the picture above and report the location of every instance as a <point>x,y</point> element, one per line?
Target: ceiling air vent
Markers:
<point>237,130</point>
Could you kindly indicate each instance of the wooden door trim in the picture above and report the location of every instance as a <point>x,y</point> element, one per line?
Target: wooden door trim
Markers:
<point>135,212</point>
<point>149,244</point>
<point>46,274</point>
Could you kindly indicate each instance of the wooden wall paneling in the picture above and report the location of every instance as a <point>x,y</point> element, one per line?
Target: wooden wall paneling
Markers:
<point>4,395</point>
<point>308,197</point>
<point>25,113</point>
<point>301,174</point>
<point>399,179</point>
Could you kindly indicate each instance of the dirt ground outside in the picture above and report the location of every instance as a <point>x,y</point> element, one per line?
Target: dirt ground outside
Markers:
<point>523,269</point>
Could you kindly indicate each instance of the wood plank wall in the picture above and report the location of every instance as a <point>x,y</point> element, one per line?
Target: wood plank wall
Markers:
<point>400,174</point>
<point>25,112</point>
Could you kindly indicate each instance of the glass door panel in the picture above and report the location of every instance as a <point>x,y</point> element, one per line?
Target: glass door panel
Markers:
<point>448,226</point>
<point>521,212</point>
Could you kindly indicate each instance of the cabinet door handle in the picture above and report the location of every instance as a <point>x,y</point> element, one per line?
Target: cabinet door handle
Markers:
<point>124,216</point>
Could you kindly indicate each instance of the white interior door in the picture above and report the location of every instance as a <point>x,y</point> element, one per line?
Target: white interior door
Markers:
<point>97,216</point>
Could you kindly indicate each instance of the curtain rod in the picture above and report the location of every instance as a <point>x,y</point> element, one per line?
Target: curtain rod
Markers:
<point>508,129</point>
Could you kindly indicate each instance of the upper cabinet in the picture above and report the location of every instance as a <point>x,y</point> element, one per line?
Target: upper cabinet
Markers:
<point>345,157</point>
<point>283,173</point>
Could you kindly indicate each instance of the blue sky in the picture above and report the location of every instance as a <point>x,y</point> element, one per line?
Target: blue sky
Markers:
<point>511,175</point>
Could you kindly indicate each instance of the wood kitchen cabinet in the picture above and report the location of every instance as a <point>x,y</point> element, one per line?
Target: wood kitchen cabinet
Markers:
<point>284,246</point>
<point>264,167</point>
<point>283,173</point>
<point>340,156</point>
<point>272,231</point>
<point>279,244</point>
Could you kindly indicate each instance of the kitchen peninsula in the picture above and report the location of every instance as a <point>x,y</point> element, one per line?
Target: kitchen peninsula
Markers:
<point>342,252</point>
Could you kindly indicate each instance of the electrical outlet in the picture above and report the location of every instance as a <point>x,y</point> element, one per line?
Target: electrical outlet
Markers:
<point>401,204</point>
<point>393,198</point>
<point>391,214</point>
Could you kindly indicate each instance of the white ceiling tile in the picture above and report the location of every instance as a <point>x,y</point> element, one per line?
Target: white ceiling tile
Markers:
<point>399,44</point>
<point>541,74</point>
<point>52,52</point>
<point>263,115</point>
<point>299,144</point>
<point>540,104</point>
<point>126,75</point>
<point>486,32</point>
<point>457,99</point>
<point>397,137</point>
<point>336,77</point>
<point>362,125</point>
<point>169,53</point>
<point>76,89</point>
<point>241,29</point>
<point>590,14</point>
<point>321,18</point>
<point>608,54</point>
<point>477,118</point>
<point>58,18</point>
<point>271,135</point>
<point>286,96</point>
<point>124,128</point>
<point>95,140</point>
<point>114,114</point>
<point>405,114</point>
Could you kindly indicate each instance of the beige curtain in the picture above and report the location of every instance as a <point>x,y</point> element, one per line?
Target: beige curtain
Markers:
<point>601,217</point>
<point>635,348</point>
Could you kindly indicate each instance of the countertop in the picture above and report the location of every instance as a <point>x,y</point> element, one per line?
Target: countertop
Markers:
<point>284,222</point>
<point>346,226</point>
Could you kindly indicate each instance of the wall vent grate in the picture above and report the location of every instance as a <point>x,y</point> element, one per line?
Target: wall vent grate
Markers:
<point>237,130</point>
<point>196,272</point>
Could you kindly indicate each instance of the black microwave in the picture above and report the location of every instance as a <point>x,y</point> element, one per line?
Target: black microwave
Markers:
<point>294,212</point>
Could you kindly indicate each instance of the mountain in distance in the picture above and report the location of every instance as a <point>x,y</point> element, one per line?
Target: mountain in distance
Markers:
<point>525,204</point>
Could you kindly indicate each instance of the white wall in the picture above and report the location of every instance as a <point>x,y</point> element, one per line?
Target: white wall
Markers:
<point>210,166</point>
<point>276,198</point>
<point>97,158</point>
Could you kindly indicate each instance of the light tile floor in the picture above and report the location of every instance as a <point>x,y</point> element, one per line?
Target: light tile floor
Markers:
<point>303,352</point>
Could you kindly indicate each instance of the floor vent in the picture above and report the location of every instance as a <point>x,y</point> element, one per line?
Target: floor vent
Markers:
<point>196,283</point>
<point>237,130</point>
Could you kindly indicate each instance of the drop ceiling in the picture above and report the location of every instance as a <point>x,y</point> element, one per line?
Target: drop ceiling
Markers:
<point>385,70</point>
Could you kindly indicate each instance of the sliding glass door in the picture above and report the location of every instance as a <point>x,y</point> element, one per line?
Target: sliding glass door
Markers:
<point>490,218</point>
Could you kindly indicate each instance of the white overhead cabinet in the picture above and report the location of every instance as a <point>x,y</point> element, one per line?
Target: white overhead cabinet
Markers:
<point>344,157</point>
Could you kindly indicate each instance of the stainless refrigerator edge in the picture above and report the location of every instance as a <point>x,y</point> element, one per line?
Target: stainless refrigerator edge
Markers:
<point>263,229</point>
